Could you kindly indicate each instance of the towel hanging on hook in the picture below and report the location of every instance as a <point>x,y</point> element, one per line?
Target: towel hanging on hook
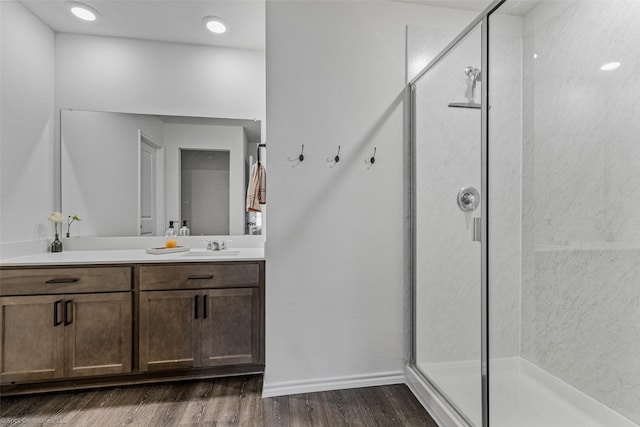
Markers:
<point>257,189</point>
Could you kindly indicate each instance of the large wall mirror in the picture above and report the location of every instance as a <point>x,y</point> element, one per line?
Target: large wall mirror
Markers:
<point>130,174</point>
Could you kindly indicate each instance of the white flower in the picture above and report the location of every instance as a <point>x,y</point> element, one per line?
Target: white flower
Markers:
<point>55,217</point>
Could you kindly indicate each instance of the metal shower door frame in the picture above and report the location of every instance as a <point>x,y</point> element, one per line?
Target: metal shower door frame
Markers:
<point>482,19</point>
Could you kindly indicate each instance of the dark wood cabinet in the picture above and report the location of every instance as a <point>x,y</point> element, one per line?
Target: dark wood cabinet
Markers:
<point>47,337</point>
<point>70,327</point>
<point>31,346</point>
<point>97,334</point>
<point>200,327</point>
<point>231,327</point>
<point>168,330</point>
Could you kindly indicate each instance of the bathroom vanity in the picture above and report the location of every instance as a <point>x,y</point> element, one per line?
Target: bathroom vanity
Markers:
<point>84,319</point>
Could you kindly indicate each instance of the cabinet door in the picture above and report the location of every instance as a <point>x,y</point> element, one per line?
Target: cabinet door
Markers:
<point>97,334</point>
<point>169,329</point>
<point>32,338</point>
<point>231,326</point>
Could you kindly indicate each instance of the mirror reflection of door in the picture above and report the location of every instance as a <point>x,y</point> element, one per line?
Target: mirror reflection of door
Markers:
<point>147,189</point>
<point>204,191</point>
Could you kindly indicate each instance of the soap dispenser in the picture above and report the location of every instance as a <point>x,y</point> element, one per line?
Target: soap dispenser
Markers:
<point>171,241</point>
<point>184,230</point>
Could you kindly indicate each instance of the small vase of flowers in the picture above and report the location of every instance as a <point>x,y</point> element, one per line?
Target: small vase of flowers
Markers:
<point>70,220</point>
<point>56,218</point>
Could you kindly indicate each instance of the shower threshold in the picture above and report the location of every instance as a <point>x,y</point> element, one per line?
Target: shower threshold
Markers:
<point>522,395</point>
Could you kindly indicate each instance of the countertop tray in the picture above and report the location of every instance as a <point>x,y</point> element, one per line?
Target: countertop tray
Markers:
<point>160,251</point>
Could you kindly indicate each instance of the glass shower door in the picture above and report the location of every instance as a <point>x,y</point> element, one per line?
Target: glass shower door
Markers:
<point>447,257</point>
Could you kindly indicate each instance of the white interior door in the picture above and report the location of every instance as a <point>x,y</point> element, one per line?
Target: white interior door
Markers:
<point>147,190</point>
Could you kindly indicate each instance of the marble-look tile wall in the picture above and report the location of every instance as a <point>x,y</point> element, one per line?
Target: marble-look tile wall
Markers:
<point>585,323</point>
<point>505,186</point>
<point>586,123</point>
<point>581,193</point>
<point>447,260</point>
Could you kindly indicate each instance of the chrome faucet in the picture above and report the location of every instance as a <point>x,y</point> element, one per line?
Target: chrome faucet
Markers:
<point>217,245</point>
<point>213,245</point>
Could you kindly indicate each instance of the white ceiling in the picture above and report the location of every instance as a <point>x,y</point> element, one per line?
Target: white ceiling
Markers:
<point>511,7</point>
<point>177,21</point>
<point>180,21</point>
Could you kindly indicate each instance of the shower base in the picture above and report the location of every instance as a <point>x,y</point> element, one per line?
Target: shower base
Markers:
<point>521,395</point>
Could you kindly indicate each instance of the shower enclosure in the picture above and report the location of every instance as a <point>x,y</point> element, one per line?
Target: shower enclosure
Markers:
<point>525,196</point>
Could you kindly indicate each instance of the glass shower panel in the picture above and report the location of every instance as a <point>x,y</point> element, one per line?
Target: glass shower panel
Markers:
<point>447,158</point>
<point>564,204</point>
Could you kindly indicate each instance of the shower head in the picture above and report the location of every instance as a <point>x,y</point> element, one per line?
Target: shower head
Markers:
<point>473,77</point>
<point>473,73</point>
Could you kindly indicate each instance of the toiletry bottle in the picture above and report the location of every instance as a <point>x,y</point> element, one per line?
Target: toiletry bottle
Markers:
<point>171,241</point>
<point>184,230</point>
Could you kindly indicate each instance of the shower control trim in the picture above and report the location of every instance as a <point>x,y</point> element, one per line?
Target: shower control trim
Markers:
<point>477,229</point>
<point>468,199</point>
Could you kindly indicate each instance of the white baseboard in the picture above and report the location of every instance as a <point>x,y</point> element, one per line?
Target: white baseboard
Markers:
<point>335,383</point>
<point>430,400</point>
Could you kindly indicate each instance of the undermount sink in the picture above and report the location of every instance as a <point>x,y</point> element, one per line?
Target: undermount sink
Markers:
<point>211,254</point>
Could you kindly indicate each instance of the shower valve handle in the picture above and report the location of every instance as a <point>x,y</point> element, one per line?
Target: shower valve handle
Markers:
<point>468,199</point>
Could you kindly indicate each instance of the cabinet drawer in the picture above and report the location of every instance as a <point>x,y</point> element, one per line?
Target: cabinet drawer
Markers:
<point>199,276</point>
<point>34,281</point>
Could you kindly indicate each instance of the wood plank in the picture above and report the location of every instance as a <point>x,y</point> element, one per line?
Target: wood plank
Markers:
<point>298,412</point>
<point>251,401</point>
<point>35,411</point>
<point>409,410</point>
<point>276,411</point>
<point>101,408</point>
<point>226,401</point>
<point>78,407</point>
<point>141,410</point>
<point>172,407</point>
<point>346,408</point>
<point>232,401</point>
<point>375,403</point>
<point>195,411</point>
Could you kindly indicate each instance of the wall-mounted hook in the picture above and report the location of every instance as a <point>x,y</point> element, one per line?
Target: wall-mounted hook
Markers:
<point>258,150</point>
<point>373,158</point>
<point>301,156</point>
<point>337,157</point>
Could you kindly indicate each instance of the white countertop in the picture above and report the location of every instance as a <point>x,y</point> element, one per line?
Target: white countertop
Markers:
<point>131,256</point>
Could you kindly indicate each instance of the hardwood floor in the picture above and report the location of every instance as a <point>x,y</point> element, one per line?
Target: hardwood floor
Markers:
<point>233,401</point>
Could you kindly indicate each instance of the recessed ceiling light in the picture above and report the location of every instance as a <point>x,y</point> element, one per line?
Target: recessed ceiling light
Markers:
<point>215,25</point>
<point>610,66</point>
<point>82,11</point>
